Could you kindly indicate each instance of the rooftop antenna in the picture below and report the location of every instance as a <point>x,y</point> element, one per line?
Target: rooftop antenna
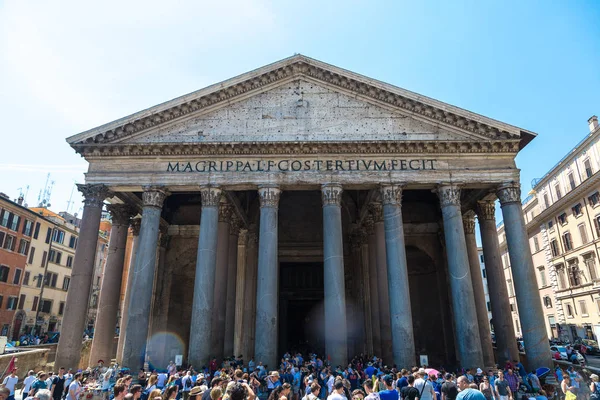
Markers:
<point>44,196</point>
<point>70,202</point>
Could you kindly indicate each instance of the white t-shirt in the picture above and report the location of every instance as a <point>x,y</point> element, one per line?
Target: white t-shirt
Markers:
<point>106,379</point>
<point>10,383</point>
<point>27,383</point>
<point>161,380</point>
<point>330,383</point>
<point>49,382</point>
<point>68,379</point>
<point>76,388</point>
<point>428,393</point>
<point>336,396</point>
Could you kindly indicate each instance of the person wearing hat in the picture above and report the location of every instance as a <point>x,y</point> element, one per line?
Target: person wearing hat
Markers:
<point>28,381</point>
<point>10,382</point>
<point>594,387</point>
<point>389,393</point>
<point>272,382</point>
<point>449,389</point>
<point>424,387</point>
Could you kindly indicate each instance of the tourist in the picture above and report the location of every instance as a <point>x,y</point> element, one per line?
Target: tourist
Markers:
<point>286,388</point>
<point>10,382</point>
<point>43,394</point>
<point>136,391</point>
<point>513,381</point>
<point>469,376</point>
<point>4,393</point>
<point>272,382</point>
<point>216,382</point>
<point>402,379</point>
<point>534,381</point>
<point>171,368</point>
<point>75,387</point>
<point>119,392</point>
<point>594,387</point>
<point>142,378</point>
<point>330,382</point>
<point>216,393</point>
<point>389,393</point>
<point>370,370</point>
<point>27,382</point>
<point>338,390</point>
<point>358,394</point>
<point>466,392</point>
<point>409,392</point>
<point>449,389</point>
<point>502,387</point>
<point>240,391</point>
<point>187,384</point>
<point>170,393</point>
<point>161,380</point>
<point>424,387</point>
<point>568,389</point>
<point>151,385</point>
<point>478,378</point>
<point>39,383</point>
<point>49,379</point>
<point>58,384</point>
<point>486,388</point>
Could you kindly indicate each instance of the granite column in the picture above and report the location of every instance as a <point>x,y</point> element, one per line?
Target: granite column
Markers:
<point>249,317</point>
<point>267,290</point>
<point>365,283</point>
<point>206,263</point>
<point>478,291</point>
<point>531,314</point>
<point>336,347</point>
<point>134,350</point>
<point>232,266</point>
<point>373,283</point>
<point>240,286</point>
<point>463,303</point>
<point>108,304</point>
<point>68,351</point>
<point>506,342</point>
<point>397,276</point>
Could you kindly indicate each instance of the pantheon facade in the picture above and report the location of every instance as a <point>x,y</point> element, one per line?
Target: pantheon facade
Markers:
<point>303,207</point>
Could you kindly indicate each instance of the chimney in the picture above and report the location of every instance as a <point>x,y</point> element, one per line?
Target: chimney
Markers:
<point>593,122</point>
<point>20,200</point>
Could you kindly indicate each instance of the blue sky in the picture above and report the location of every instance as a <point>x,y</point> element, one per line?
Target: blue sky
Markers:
<point>69,66</point>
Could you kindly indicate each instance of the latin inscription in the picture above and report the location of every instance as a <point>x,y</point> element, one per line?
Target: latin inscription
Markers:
<point>302,165</point>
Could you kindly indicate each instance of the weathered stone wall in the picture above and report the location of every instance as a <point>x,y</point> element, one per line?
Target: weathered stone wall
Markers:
<point>35,359</point>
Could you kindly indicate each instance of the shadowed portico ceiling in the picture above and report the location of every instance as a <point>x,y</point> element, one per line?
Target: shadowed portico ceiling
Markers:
<point>468,132</point>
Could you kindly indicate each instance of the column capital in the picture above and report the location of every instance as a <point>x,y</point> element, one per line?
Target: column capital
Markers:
<point>331,194</point>
<point>509,193</point>
<point>269,196</point>
<point>449,195</point>
<point>469,222</point>
<point>94,194</point>
<point>225,211</point>
<point>120,213</point>
<point>243,237</point>
<point>391,194</point>
<point>154,196</point>
<point>486,210</point>
<point>376,209</point>
<point>210,195</point>
<point>136,224</point>
<point>368,224</point>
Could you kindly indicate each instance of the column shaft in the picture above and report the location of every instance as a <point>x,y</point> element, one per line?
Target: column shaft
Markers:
<point>373,285</point>
<point>69,345</point>
<point>135,226</point>
<point>249,318</point>
<point>199,349</point>
<point>240,285</point>
<point>232,260</point>
<point>108,304</point>
<point>506,342</point>
<point>267,290</point>
<point>531,314</point>
<point>366,279</point>
<point>478,291</point>
<point>336,347</point>
<point>397,277</point>
<point>463,302</point>
<point>134,350</point>
<point>160,308</point>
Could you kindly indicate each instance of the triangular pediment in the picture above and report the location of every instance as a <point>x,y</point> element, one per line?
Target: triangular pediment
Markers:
<point>300,99</point>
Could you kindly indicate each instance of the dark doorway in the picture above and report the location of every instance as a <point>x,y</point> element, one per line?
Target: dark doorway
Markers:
<point>301,312</point>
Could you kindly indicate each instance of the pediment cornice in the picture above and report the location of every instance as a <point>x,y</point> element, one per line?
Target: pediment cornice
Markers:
<point>293,68</point>
<point>92,150</point>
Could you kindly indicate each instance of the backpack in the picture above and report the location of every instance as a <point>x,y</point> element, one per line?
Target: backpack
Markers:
<point>188,383</point>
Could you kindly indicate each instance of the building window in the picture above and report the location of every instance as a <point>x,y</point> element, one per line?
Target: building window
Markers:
<point>594,199</point>
<point>17,277</point>
<point>11,303</point>
<point>542,272</point>
<point>39,279</point>
<point>574,273</point>
<point>5,217</point>
<point>35,303</point>
<point>567,241</point>
<point>576,210</point>
<point>551,225</point>
<point>588,168</point>
<point>10,243</point>
<point>69,261</point>
<point>21,302</point>
<point>14,226</point>
<point>583,233</point>
<point>24,247</point>
<point>94,301</point>
<point>489,306</point>
<point>72,241</point>
<point>569,311</point>
<point>46,306</point>
<point>27,227</point>
<point>61,308</point>
<point>2,234</point>
<point>551,321</point>
<point>1,299</point>
<point>58,257</point>
<point>48,235</point>
<point>4,271</point>
<point>536,244</point>
<point>26,278</point>
<point>560,273</point>
<point>547,302</point>
<point>66,282</point>
<point>52,256</point>
<point>58,236</point>
<point>546,202</point>
<point>557,190</point>
<point>483,274</point>
<point>36,231</point>
<point>31,254</point>
<point>583,308</point>
<point>44,256</point>
<point>590,264</point>
<point>511,290</point>
<point>562,218</point>
<point>572,181</point>
<point>50,279</point>
<point>481,258</point>
<point>517,326</point>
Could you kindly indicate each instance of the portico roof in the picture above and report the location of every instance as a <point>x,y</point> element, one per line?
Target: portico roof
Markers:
<point>477,127</point>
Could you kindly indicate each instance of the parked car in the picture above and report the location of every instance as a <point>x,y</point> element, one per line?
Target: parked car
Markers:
<point>591,345</point>
<point>562,350</point>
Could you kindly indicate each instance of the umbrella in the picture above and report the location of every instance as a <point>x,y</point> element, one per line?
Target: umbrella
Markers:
<point>432,371</point>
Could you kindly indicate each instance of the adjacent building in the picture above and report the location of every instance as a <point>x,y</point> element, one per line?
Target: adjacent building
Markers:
<point>562,216</point>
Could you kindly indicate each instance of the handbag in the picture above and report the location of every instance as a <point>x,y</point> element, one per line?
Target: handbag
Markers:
<point>570,396</point>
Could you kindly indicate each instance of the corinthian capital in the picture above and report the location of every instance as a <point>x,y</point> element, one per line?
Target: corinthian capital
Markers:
<point>449,195</point>
<point>486,210</point>
<point>94,195</point>
<point>376,211</point>
<point>269,196</point>
<point>331,194</point>
<point>391,194</point>
<point>509,193</point>
<point>136,224</point>
<point>154,196</point>
<point>211,196</point>
<point>469,222</point>
<point>120,213</point>
<point>225,211</point>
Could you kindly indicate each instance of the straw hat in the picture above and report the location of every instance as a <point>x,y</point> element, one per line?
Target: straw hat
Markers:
<point>195,390</point>
<point>594,377</point>
<point>274,373</point>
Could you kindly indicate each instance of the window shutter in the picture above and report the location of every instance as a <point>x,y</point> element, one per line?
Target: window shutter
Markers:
<point>54,277</point>
<point>48,235</point>
<point>35,304</point>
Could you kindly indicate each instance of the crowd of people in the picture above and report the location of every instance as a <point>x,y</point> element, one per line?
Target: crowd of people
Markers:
<point>297,378</point>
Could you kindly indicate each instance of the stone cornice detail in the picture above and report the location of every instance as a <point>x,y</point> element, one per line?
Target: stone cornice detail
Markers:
<point>469,222</point>
<point>295,68</point>
<point>376,210</point>
<point>154,196</point>
<point>486,210</point>
<point>120,214</point>
<point>315,147</point>
<point>211,196</point>
<point>391,194</point>
<point>94,195</point>
<point>449,195</point>
<point>331,195</point>
<point>136,224</point>
<point>269,196</point>
<point>509,193</point>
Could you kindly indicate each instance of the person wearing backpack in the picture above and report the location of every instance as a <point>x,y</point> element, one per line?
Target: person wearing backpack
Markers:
<point>424,387</point>
<point>187,384</point>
